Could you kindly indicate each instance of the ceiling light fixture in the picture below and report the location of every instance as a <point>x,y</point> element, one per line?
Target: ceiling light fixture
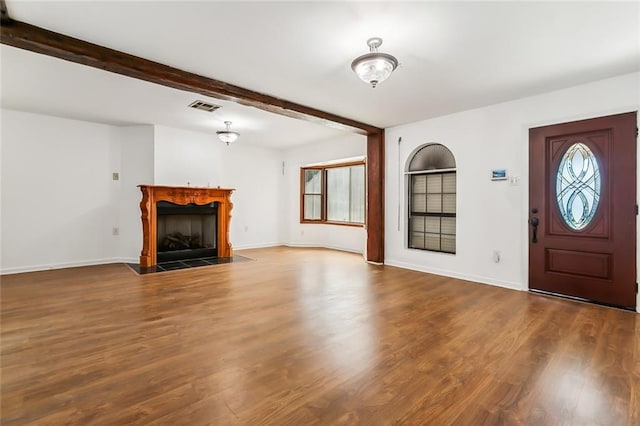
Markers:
<point>227,136</point>
<point>374,67</point>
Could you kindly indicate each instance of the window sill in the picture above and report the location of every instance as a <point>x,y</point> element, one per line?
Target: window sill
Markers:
<point>327,222</point>
<point>432,251</point>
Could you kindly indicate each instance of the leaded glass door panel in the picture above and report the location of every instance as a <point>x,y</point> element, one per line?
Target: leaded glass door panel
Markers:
<point>582,219</point>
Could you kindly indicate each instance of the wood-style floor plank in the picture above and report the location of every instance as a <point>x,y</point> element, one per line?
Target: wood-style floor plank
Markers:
<point>307,336</point>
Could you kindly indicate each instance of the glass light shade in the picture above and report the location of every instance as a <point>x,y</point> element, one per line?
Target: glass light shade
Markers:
<point>227,136</point>
<point>374,68</point>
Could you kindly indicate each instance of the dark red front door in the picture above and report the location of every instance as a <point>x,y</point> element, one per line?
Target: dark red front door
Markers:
<point>582,209</point>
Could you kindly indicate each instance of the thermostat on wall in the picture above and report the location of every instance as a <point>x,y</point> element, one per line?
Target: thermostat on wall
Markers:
<point>499,174</point>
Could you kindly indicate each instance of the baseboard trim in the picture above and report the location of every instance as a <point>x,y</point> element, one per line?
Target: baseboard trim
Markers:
<point>299,245</point>
<point>63,265</point>
<point>256,246</point>
<point>475,278</point>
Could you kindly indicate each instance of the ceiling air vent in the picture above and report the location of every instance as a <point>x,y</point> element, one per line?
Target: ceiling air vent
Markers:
<point>204,106</point>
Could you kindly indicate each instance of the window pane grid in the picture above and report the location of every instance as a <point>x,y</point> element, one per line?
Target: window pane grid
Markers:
<point>448,225</point>
<point>419,184</point>
<point>434,184</point>
<point>448,244</point>
<point>432,242</point>
<point>449,183</point>
<point>448,203</point>
<point>312,207</point>
<point>434,203</point>
<point>432,207</point>
<point>313,181</point>
<point>417,224</point>
<point>417,240</point>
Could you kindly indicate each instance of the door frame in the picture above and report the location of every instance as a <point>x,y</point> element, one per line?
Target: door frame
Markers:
<point>524,184</point>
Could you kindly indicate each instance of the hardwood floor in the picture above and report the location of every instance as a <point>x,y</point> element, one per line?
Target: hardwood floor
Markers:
<point>307,336</point>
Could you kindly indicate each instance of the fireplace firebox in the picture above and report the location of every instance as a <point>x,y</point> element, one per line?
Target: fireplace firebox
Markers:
<point>184,223</point>
<point>186,232</point>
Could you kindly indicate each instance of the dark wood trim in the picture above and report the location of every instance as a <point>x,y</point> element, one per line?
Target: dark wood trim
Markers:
<point>323,193</point>
<point>335,165</point>
<point>303,193</point>
<point>181,195</point>
<point>563,260</point>
<point>329,222</point>
<point>323,197</point>
<point>4,13</point>
<point>40,40</point>
<point>375,197</point>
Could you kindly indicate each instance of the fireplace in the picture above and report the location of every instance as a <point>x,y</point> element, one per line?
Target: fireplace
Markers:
<point>186,232</point>
<point>184,223</point>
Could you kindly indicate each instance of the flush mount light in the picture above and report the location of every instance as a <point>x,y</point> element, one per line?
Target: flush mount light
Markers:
<point>374,67</point>
<point>227,136</point>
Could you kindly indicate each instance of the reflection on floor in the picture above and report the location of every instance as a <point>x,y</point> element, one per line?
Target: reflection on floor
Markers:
<point>188,263</point>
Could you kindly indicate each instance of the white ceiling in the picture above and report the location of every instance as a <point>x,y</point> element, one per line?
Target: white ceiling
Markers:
<point>46,85</point>
<point>453,56</point>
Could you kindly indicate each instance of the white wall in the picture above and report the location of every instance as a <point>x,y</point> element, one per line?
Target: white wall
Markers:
<point>184,157</point>
<point>59,202</point>
<point>313,235</point>
<point>136,168</point>
<point>491,215</point>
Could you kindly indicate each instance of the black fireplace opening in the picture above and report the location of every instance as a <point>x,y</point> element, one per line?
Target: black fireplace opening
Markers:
<point>187,231</point>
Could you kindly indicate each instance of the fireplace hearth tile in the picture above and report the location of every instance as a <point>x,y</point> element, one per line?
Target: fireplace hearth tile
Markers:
<point>185,264</point>
<point>196,262</point>
<point>169,266</point>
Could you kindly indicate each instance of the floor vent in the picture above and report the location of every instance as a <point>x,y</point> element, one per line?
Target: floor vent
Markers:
<point>204,106</point>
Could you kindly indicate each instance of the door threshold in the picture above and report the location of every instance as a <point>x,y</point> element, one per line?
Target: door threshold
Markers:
<point>581,299</point>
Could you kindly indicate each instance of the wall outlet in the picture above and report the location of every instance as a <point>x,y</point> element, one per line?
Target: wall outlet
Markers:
<point>514,180</point>
<point>116,231</point>
<point>115,176</point>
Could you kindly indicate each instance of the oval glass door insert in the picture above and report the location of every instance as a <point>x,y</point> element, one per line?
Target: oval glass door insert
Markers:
<point>578,186</point>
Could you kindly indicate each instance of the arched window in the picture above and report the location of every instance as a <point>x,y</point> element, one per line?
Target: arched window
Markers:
<point>432,199</point>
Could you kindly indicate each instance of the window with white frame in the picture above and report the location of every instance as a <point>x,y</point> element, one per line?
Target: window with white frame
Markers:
<point>432,199</point>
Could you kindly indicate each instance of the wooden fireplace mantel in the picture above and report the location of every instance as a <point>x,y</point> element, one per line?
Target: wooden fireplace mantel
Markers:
<point>182,195</point>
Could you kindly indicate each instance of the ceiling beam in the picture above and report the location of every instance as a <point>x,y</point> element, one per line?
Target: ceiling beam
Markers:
<point>4,13</point>
<point>40,40</point>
